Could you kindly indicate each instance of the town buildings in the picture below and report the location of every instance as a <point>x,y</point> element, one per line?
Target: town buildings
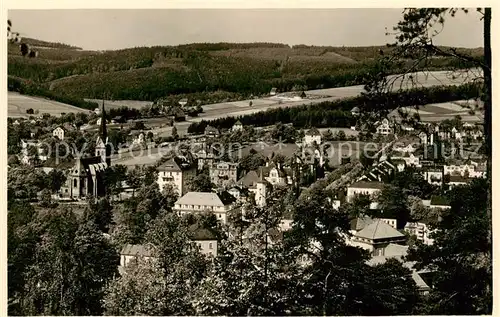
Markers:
<point>312,136</point>
<point>219,204</point>
<point>86,177</point>
<point>223,174</point>
<point>176,172</point>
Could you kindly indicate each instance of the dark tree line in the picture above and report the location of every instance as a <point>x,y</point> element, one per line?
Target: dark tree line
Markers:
<point>338,113</point>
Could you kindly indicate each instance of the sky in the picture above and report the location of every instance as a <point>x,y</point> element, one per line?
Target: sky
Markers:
<point>109,29</point>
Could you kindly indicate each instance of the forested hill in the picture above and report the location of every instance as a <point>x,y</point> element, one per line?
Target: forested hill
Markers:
<point>149,73</point>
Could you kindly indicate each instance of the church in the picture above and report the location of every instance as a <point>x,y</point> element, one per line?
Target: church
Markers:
<point>86,177</point>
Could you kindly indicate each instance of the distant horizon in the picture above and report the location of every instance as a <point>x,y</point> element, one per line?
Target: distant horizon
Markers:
<point>110,29</point>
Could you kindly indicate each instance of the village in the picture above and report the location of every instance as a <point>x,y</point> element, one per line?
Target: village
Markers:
<point>229,183</point>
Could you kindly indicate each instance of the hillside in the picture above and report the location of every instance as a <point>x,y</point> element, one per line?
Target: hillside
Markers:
<point>149,73</point>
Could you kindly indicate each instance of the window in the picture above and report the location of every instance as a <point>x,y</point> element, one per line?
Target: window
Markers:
<point>220,216</point>
<point>74,183</point>
<point>210,246</point>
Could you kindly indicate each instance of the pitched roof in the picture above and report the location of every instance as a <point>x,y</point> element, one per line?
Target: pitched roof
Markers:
<point>379,230</point>
<point>137,250</point>
<point>238,122</point>
<point>364,184</point>
<point>175,164</point>
<point>249,179</point>
<point>360,222</point>
<point>395,250</point>
<point>197,233</point>
<point>206,199</point>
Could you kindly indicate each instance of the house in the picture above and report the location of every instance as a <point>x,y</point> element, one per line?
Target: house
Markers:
<point>383,128</point>
<point>211,131</point>
<point>421,230</point>
<point>433,174</point>
<point>409,158</point>
<point>273,91</point>
<point>370,188</point>
<point>355,111</point>
<point>238,126</point>
<point>183,102</point>
<point>41,151</point>
<point>257,185</point>
<point>205,158</point>
<point>312,136</point>
<point>176,172</point>
<point>276,174</point>
<point>376,236</point>
<point>223,174</point>
<point>407,144</point>
<point>427,137</point>
<point>240,193</point>
<point>58,133</point>
<point>133,252</point>
<point>381,172</point>
<point>198,202</point>
<point>205,239</point>
<point>139,139</point>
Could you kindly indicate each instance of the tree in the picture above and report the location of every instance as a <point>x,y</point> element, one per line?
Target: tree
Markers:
<point>328,135</point>
<point>99,213</point>
<point>56,179</point>
<point>341,135</point>
<point>114,177</point>
<point>71,265</point>
<point>200,183</point>
<point>175,135</point>
<point>460,257</point>
<point>393,203</point>
<point>165,285</point>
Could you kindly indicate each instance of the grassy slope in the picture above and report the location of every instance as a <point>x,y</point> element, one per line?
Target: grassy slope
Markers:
<point>147,73</point>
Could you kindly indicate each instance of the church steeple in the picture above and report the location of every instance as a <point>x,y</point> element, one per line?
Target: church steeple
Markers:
<point>102,130</point>
<point>103,148</point>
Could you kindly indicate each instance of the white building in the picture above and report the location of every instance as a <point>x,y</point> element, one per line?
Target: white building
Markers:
<point>205,239</point>
<point>133,252</point>
<point>223,174</point>
<point>433,175</point>
<point>238,126</point>
<point>369,188</point>
<point>376,236</point>
<point>198,202</point>
<point>312,136</point>
<point>176,172</point>
<point>421,230</point>
<point>384,127</point>
<point>58,133</point>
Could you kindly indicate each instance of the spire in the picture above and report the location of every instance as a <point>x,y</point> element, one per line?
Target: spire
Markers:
<point>103,132</point>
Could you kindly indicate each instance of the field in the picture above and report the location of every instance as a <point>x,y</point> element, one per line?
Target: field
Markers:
<point>18,104</point>
<point>442,111</point>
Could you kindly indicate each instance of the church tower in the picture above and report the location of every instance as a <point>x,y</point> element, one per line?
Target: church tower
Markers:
<point>103,148</point>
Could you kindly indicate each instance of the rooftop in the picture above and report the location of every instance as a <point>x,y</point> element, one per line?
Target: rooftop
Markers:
<point>365,184</point>
<point>379,230</point>
<point>206,199</point>
<point>137,250</point>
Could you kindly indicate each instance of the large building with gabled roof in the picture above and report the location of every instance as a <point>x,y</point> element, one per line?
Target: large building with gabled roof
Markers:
<point>198,202</point>
<point>176,172</point>
<point>376,236</point>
